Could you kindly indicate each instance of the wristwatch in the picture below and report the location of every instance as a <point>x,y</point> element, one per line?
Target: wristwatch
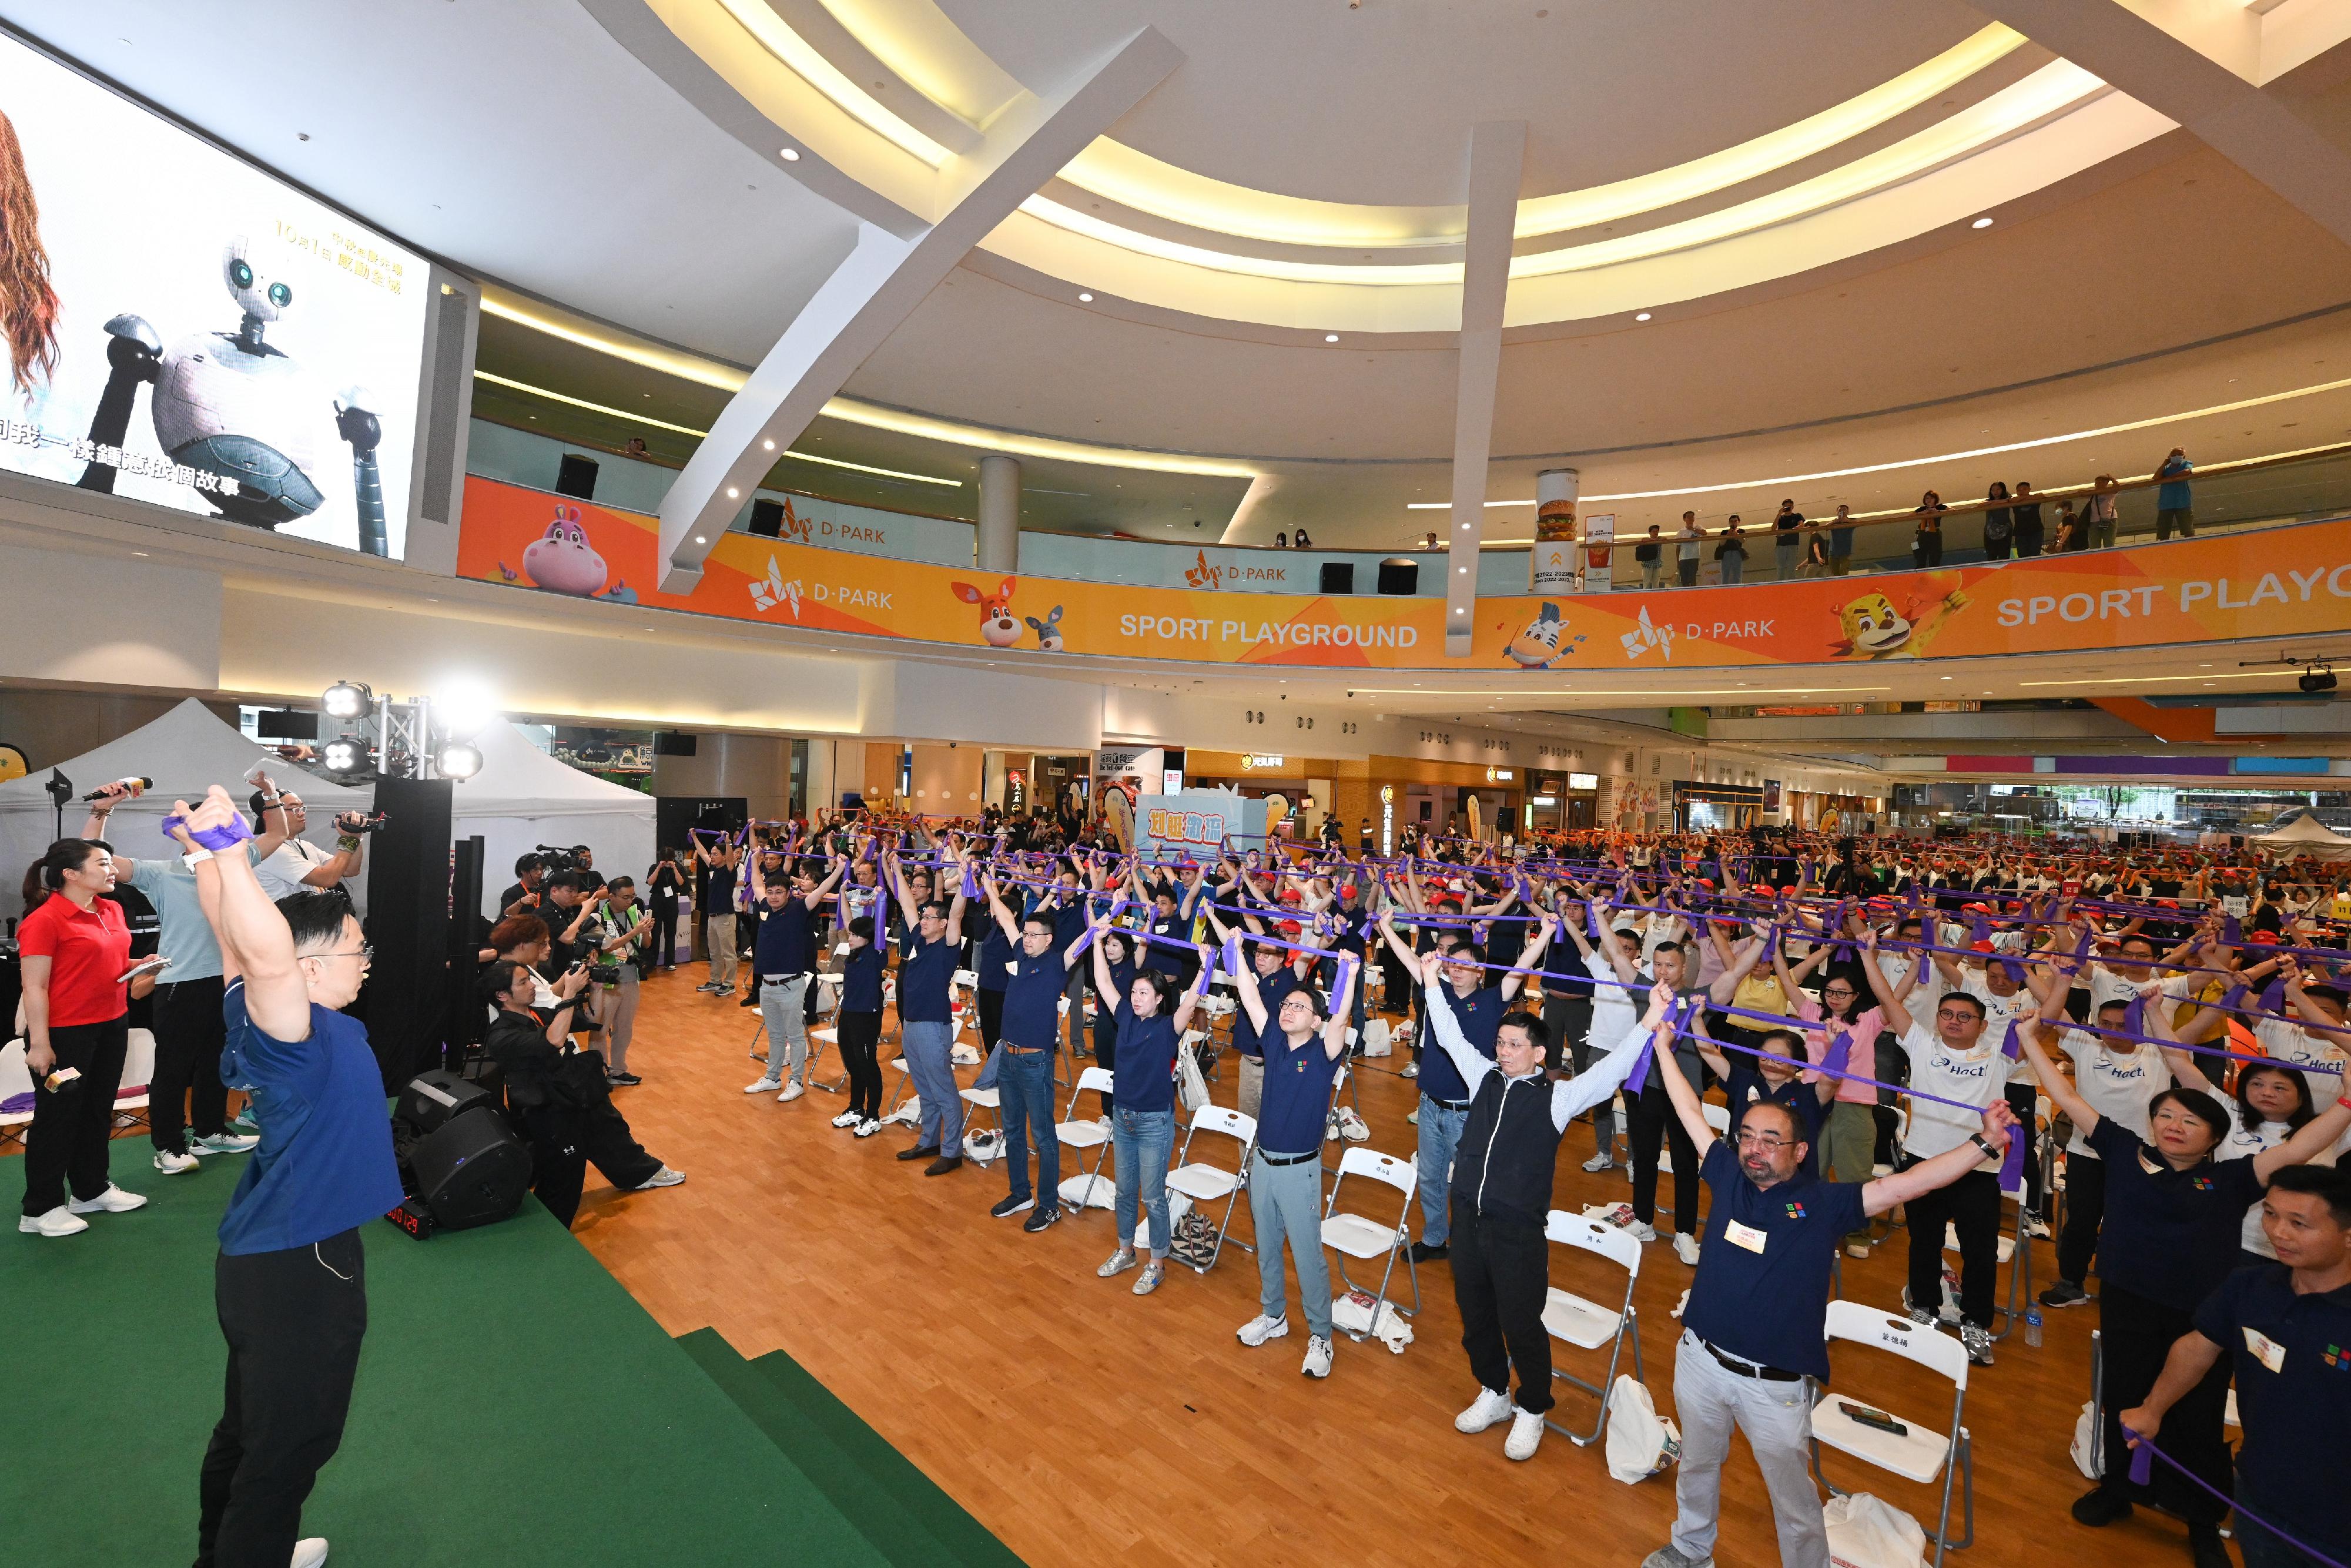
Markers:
<point>195,858</point>
<point>1980,1141</point>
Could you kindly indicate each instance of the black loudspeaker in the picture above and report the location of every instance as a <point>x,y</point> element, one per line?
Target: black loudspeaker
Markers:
<point>576,476</point>
<point>472,1171</point>
<point>1400,575</point>
<point>408,921</point>
<point>1338,577</point>
<point>672,743</point>
<point>768,518</point>
<point>432,1099</point>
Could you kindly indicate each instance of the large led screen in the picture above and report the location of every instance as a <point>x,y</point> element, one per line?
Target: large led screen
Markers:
<point>185,329</point>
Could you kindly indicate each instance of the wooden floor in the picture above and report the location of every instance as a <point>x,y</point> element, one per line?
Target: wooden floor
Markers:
<point>1085,1425</point>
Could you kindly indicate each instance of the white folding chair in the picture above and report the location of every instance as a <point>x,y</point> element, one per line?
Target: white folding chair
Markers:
<point>991,1100</point>
<point>1078,1191</point>
<point>1920,1454</point>
<point>15,1079</point>
<point>1717,1117</point>
<point>130,1099</point>
<point>1358,1236</point>
<point>1204,1184</point>
<point>1588,1326</point>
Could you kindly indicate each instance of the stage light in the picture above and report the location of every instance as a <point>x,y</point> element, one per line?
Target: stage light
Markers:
<point>462,711</point>
<point>347,699</point>
<point>458,760</point>
<point>343,756</point>
<point>2316,679</point>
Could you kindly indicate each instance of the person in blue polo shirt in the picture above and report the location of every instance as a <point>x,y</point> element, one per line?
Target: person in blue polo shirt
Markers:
<point>1302,1042</point>
<point>1478,1008</point>
<point>1034,977</point>
<point>290,1284</point>
<point>927,964</point>
<point>783,956</point>
<point>1755,1326</point>
<point>1751,1081</point>
<point>2285,1327</point>
<point>1278,972</point>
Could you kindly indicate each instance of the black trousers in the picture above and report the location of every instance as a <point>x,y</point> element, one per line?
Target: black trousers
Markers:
<point>1686,571</point>
<point>564,1139</point>
<point>991,1019</point>
<point>1501,1279</point>
<point>1972,1206</point>
<point>2085,1210</point>
<point>861,1041</point>
<point>2135,1335</point>
<point>189,1034</point>
<point>294,1321</point>
<point>1106,1049</point>
<point>1649,1118</point>
<point>665,937</point>
<point>1567,1016</point>
<point>1926,549</point>
<point>65,1144</point>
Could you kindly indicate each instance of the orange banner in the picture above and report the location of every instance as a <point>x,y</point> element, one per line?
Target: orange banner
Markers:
<point>2283,581</point>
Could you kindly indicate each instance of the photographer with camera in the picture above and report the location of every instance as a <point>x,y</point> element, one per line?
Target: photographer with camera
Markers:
<point>289,862</point>
<point>529,888</point>
<point>667,883</point>
<point>558,1093</point>
<point>628,957</point>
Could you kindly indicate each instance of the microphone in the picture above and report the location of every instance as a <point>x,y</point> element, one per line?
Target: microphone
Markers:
<point>143,783</point>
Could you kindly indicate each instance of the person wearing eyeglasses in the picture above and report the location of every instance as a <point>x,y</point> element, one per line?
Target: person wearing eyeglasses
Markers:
<point>1034,979</point>
<point>297,863</point>
<point>1849,1140</point>
<point>290,1284</point>
<point>1755,1326</point>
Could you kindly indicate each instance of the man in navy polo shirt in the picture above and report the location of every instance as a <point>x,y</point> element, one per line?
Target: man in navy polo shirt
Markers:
<point>926,962</point>
<point>290,1284</point>
<point>1755,1325</point>
<point>1277,971</point>
<point>1065,903</point>
<point>2287,1327</point>
<point>1024,1080</point>
<point>1477,1007</point>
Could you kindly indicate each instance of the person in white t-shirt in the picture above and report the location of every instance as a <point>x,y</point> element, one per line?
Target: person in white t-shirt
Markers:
<point>2117,1078</point>
<point>298,863</point>
<point>1960,1066</point>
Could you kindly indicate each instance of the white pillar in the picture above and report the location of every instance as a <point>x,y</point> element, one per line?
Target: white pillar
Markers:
<point>999,514</point>
<point>1551,566</point>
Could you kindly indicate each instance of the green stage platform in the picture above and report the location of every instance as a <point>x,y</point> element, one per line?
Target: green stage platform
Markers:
<point>514,1406</point>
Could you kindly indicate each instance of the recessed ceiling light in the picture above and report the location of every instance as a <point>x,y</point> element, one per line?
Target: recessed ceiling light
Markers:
<point>733,493</point>
<point>1980,224</point>
<point>1329,336</point>
<point>769,444</point>
<point>791,154</point>
<point>700,540</point>
<point>1085,298</point>
<point>1641,316</point>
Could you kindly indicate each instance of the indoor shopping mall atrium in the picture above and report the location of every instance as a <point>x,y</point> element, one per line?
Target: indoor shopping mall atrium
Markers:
<point>902,783</point>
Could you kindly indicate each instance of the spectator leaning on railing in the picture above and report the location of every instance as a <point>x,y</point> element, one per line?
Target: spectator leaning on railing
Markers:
<point>1731,553</point>
<point>1649,554</point>
<point>1841,542</point>
<point>2174,502</point>
<point>1687,545</point>
<point>1786,535</point>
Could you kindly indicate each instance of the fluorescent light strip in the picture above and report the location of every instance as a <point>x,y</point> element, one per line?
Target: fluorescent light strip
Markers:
<point>794,52</point>
<point>849,411</point>
<point>2277,675</point>
<point>1554,694</point>
<point>2161,419</point>
<point>553,396</point>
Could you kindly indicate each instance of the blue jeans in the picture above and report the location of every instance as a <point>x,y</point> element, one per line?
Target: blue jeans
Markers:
<point>925,1047</point>
<point>1440,1134</point>
<point>1734,568</point>
<point>1025,1086</point>
<point>1143,1140</point>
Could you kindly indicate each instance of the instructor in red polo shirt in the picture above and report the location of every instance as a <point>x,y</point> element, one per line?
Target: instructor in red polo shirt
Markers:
<point>76,946</point>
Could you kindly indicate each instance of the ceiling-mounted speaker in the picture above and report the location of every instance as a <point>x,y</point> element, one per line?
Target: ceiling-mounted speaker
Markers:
<point>768,518</point>
<point>1400,574</point>
<point>576,476</point>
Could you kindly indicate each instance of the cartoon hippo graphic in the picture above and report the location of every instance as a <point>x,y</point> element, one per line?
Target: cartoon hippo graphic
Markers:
<point>1538,645</point>
<point>1875,629</point>
<point>561,560</point>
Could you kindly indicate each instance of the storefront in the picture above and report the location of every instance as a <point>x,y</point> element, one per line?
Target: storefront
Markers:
<point>1715,807</point>
<point>1558,801</point>
<point>1299,790</point>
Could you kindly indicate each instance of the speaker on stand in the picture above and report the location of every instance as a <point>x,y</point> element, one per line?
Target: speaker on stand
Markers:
<point>408,921</point>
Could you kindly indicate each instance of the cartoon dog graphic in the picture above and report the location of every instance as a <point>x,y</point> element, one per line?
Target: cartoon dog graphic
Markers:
<point>998,629</point>
<point>1873,629</point>
<point>1049,631</point>
<point>1535,647</point>
<point>561,560</point>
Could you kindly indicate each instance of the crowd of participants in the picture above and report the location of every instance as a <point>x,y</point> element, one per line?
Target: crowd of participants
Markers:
<point>1884,1020</point>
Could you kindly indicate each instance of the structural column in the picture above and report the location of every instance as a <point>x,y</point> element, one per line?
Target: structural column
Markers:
<point>999,514</point>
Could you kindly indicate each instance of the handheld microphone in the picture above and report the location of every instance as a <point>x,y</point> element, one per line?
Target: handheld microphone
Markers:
<point>143,783</point>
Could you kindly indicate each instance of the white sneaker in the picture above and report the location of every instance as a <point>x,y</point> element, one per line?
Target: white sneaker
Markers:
<point>1411,1070</point>
<point>171,1162</point>
<point>868,1127</point>
<point>58,1222</point>
<point>1599,1162</point>
<point>846,1119</point>
<point>763,1086</point>
<point>1640,1232</point>
<point>791,1092</point>
<point>1260,1328</point>
<point>664,1177</point>
<point>223,1144</point>
<point>1686,1248</point>
<point>1119,1262</point>
<point>113,1200</point>
<point>309,1553</point>
<point>1526,1434</point>
<point>1318,1357</point>
<point>1489,1410</point>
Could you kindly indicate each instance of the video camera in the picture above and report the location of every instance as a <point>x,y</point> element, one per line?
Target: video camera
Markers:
<point>360,822</point>
<point>560,858</point>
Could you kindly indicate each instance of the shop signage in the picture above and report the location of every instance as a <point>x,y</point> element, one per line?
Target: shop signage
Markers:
<point>1261,759</point>
<point>1387,818</point>
<point>1499,775</point>
<point>1583,781</point>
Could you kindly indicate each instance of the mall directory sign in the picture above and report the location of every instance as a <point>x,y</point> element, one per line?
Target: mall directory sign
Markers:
<point>185,330</point>
<point>2292,581</point>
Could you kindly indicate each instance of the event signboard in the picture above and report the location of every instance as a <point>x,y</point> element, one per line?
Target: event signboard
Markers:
<point>1198,823</point>
<point>2293,580</point>
<point>189,332</point>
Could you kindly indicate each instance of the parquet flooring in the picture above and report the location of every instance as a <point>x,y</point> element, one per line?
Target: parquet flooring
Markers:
<point>1084,1425</point>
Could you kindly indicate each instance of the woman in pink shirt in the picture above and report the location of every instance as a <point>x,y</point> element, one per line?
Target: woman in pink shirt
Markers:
<point>1849,1139</point>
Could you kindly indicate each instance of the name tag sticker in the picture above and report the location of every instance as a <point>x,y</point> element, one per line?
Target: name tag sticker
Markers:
<point>1745,1236</point>
<point>1011,967</point>
<point>2266,1351</point>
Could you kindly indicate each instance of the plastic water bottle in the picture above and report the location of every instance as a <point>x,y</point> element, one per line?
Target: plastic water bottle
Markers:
<point>2033,1324</point>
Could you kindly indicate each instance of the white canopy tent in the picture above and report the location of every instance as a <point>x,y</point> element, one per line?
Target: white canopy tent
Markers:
<point>183,751</point>
<point>523,798</point>
<point>2305,837</point>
